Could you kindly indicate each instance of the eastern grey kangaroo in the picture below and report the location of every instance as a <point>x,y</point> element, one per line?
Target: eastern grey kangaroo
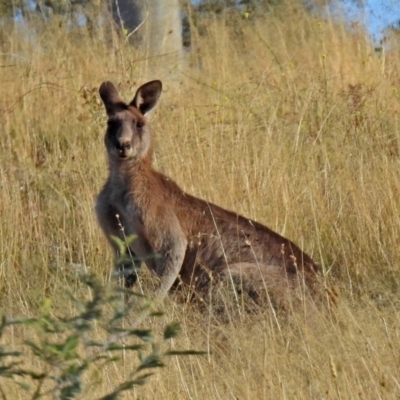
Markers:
<point>195,240</point>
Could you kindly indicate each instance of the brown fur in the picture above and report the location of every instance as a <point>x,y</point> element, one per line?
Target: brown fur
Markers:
<point>196,240</point>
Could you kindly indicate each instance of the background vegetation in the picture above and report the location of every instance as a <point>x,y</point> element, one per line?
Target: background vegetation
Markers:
<point>284,117</point>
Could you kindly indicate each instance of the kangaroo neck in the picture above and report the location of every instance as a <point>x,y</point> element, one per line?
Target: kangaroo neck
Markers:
<point>130,171</point>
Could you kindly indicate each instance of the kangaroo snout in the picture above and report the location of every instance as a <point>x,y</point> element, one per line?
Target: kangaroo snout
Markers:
<point>123,145</point>
<point>124,148</point>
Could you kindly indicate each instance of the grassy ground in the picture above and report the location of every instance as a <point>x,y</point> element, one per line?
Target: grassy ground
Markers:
<point>295,125</point>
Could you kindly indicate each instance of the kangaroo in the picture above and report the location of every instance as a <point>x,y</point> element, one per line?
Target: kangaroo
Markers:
<point>195,240</point>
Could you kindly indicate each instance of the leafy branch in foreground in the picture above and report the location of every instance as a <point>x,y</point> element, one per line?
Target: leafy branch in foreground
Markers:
<point>67,350</point>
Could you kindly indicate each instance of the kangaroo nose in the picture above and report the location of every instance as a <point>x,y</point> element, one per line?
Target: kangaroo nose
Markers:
<point>123,146</point>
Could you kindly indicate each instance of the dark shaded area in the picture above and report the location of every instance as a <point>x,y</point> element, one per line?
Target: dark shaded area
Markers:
<point>127,14</point>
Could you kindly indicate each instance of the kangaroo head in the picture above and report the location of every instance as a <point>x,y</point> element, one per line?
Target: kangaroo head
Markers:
<point>127,136</point>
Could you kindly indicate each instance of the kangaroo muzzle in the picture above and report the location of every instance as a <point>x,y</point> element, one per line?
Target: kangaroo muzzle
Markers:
<point>124,148</point>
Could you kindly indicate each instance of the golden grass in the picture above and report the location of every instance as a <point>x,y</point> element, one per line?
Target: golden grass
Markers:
<point>293,124</point>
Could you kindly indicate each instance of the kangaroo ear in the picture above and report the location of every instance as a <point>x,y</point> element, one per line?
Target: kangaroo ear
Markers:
<point>109,95</point>
<point>147,96</point>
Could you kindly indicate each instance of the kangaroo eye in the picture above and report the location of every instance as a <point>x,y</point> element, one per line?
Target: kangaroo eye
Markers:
<point>139,125</point>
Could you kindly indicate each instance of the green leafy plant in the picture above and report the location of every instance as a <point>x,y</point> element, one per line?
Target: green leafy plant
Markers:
<point>67,351</point>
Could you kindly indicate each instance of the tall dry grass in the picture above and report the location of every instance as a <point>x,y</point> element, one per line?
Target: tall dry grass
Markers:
<point>286,118</point>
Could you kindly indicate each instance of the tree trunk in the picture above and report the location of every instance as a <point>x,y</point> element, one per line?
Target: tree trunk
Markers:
<point>163,36</point>
<point>159,30</point>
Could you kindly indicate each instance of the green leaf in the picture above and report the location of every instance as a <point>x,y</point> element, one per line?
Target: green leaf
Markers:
<point>35,348</point>
<point>24,386</point>
<point>69,391</point>
<point>145,334</point>
<point>185,353</point>
<point>23,321</point>
<point>143,377</point>
<point>46,306</point>
<point>156,314</point>
<point>126,386</point>
<point>113,347</point>
<point>113,359</point>
<point>10,353</point>
<point>123,245</point>
<point>151,361</point>
<point>112,396</point>
<point>171,330</point>
<point>32,374</point>
<point>9,369</point>
<point>69,347</point>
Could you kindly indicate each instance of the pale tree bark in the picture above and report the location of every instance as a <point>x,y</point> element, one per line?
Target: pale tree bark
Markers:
<point>163,35</point>
<point>157,24</point>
